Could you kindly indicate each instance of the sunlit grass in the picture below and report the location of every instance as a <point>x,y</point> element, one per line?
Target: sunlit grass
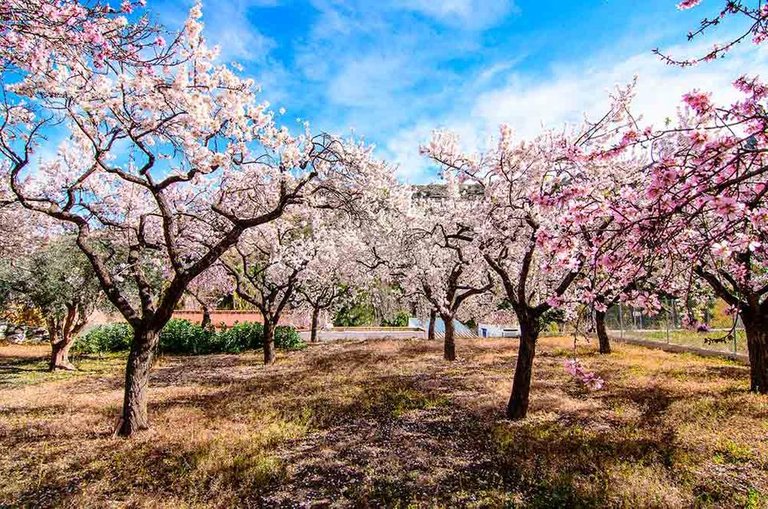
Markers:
<point>712,340</point>
<point>388,423</point>
<point>23,370</point>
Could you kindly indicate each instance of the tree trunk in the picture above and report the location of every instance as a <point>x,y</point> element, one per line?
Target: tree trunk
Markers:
<point>206,323</point>
<point>517,408</point>
<point>602,333</point>
<point>756,328</point>
<point>60,353</point>
<point>269,342</point>
<point>134,417</point>
<point>315,319</point>
<point>431,327</point>
<point>449,345</point>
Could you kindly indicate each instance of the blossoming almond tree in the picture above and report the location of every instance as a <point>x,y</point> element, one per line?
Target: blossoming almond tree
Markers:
<point>621,264</point>
<point>702,203</point>
<point>630,274</point>
<point>208,289</point>
<point>704,199</point>
<point>429,251</point>
<point>442,263</point>
<point>322,295</point>
<point>307,258</point>
<point>534,210</point>
<point>166,166</point>
<point>333,273</point>
<point>266,265</point>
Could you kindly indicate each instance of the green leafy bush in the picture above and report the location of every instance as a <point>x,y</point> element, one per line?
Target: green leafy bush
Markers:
<point>114,337</point>
<point>355,314</point>
<point>185,337</point>
<point>288,338</point>
<point>241,336</point>
<point>399,320</point>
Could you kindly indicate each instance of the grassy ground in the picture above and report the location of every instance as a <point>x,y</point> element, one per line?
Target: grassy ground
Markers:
<point>708,340</point>
<point>387,423</point>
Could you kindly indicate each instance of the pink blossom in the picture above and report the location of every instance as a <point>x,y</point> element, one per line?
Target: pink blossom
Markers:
<point>590,379</point>
<point>698,101</point>
<point>555,301</point>
<point>688,4</point>
<point>721,249</point>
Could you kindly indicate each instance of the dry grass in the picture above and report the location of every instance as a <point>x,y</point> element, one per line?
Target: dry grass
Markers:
<point>387,423</point>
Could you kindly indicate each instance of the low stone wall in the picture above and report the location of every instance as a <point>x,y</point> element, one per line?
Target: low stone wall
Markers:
<point>19,334</point>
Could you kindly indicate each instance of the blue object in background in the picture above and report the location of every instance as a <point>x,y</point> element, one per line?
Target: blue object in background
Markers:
<point>460,330</point>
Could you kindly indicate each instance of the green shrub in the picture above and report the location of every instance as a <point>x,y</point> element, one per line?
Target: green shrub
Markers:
<point>399,320</point>
<point>185,337</point>
<point>114,337</point>
<point>288,338</point>
<point>241,336</point>
<point>355,315</point>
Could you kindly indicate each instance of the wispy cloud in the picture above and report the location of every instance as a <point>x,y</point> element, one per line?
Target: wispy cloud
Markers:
<point>393,71</point>
<point>565,94</point>
<point>466,14</point>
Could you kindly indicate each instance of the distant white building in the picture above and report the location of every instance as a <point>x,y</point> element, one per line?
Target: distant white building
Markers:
<point>494,330</point>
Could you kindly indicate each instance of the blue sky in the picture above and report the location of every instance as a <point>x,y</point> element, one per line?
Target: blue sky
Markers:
<point>391,71</point>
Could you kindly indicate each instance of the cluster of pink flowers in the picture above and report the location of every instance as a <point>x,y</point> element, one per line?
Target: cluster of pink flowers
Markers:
<point>699,102</point>
<point>692,323</point>
<point>588,378</point>
<point>688,4</point>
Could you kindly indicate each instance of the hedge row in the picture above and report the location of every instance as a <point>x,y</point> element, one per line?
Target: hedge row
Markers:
<point>185,337</point>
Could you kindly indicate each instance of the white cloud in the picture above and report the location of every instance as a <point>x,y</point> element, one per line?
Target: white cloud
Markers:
<point>468,14</point>
<point>567,93</point>
<point>369,80</point>
<point>570,92</point>
<point>412,167</point>
<point>376,67</point>
<point>227,24</point>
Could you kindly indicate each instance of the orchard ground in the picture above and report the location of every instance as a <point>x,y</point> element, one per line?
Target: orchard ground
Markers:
<point>386,423</point>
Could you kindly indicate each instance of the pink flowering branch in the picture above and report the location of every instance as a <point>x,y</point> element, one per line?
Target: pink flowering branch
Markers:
<point>754,12</point>
<point>589,379</point>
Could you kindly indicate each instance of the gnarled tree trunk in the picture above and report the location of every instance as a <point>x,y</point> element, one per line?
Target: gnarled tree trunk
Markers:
<point>63,334</point>
<point>602,333</point>
<point>269,342</point>
<point>134,417</point>
<point>315,319</point>
<point>449,345</point>
<point>431,326</point>
<point>60,353</point>
<point>756,328</point>
<point>517,408</point>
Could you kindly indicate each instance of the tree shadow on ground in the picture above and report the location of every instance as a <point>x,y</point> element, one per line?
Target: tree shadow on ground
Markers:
<point>374,425</point>
<point>398,440</point>
<point>12,367</point>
